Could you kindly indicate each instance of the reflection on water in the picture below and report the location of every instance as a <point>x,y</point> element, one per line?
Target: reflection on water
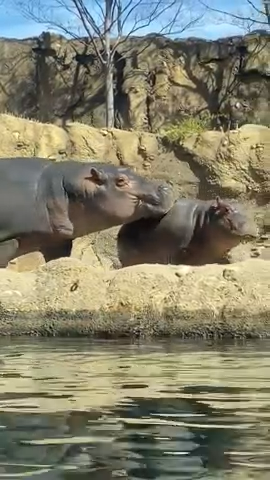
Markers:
<point>75,409</point>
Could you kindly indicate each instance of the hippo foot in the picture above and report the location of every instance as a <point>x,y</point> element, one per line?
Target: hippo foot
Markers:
<point>59,250</point>
<point>8,250</point>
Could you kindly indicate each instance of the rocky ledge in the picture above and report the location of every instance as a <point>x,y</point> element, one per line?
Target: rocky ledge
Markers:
<point>66,297</point>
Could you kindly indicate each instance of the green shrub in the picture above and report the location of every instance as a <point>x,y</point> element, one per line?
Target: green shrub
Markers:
<point>177,132</point>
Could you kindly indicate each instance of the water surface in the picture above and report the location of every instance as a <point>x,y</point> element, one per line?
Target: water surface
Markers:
<point>76,409</point>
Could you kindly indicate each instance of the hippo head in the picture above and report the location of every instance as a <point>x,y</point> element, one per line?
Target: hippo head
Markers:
<point>230,223</point>
<point>122,195</point>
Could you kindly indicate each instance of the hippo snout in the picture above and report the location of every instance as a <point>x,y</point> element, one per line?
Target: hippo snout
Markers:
<point>165,188</point>
<point>159,200</point>
<point>165,198</point>
<point>165,191</point>
<point>166,195</point>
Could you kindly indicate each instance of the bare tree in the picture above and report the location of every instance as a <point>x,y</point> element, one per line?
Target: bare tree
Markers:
<point>266,5</point>
<point>109,23</point>
<point>252,14</point>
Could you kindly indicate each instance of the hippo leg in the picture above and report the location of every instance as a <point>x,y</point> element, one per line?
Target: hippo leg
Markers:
<point>8,250</point>
<point>57,206</point>
<point>59,219</point>
<point>59,250</point>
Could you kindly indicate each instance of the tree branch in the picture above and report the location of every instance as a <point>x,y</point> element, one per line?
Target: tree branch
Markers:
<point>143,23</point>
<point>234,15</point>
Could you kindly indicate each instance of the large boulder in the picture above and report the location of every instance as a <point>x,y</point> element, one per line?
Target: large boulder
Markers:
<point>236,164</point>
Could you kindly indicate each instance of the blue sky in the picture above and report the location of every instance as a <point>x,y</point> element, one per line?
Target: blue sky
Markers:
<point>14,25</point>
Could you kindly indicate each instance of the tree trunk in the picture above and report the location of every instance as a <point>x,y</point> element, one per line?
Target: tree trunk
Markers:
<point>109,67</point>
<point>267,10</point>
<point>109,96</point>
<point>119,19</point>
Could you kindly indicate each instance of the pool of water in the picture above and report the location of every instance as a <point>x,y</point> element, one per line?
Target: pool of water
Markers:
<point>77,409</point>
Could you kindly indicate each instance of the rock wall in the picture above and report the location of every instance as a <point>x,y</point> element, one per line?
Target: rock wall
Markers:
<point>157,80</point>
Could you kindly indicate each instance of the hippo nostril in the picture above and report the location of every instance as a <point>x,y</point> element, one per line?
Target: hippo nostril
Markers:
<point>165,190</point>
<point>165,187</point>
<point>151,199</point>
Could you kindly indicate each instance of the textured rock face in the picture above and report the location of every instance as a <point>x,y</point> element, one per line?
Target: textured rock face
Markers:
<point>67,297</point>
<point>238,163</point>
<point>157,80</point>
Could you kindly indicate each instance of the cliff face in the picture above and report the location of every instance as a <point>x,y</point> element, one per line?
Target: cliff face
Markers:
<point>157,80</point>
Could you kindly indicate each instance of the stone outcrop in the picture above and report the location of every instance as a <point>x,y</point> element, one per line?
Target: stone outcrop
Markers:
<point>238,163</point>
<point>68,297</point>
<point>157,80</point>
<point>234,164</point>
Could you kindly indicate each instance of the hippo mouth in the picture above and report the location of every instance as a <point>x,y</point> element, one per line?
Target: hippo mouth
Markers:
<point>248,237</point>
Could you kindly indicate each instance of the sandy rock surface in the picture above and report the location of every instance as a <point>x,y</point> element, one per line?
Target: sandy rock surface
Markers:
<point>68,297</point>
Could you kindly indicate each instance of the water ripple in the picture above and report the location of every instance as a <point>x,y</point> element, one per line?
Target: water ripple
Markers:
<point>71,409</point>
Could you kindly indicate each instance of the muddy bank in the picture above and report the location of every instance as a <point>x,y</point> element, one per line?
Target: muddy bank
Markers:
<point>69,298</point>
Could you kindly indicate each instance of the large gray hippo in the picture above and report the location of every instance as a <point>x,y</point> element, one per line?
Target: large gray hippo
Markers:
<point>193,232</point>
<point>44,205</point>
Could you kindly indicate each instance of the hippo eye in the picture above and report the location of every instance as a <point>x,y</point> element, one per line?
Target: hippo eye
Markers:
<point>121,181</point>
<point>225,210</point>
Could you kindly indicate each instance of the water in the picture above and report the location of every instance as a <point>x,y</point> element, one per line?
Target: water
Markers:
<point>75,409</point>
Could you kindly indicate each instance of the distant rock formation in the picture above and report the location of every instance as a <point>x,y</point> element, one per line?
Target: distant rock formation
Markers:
<point>157,80</point>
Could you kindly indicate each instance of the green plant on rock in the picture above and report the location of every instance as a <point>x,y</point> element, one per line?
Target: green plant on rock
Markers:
<point>178,132</point>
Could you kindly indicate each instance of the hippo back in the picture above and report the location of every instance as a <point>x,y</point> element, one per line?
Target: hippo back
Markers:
<point>19,179</point>
<point>156,240</point>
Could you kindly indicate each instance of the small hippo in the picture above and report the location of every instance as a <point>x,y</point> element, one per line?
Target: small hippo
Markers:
<point>44,205</point>
<point>193,232</point>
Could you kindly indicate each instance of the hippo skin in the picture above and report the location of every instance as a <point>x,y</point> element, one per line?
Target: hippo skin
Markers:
<point>193,232</point>
<point>44,205</point>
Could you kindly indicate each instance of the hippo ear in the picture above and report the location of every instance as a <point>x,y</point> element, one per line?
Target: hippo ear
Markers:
<point>219,203</point>
<point>96,176</point>
<point>216,205</point>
